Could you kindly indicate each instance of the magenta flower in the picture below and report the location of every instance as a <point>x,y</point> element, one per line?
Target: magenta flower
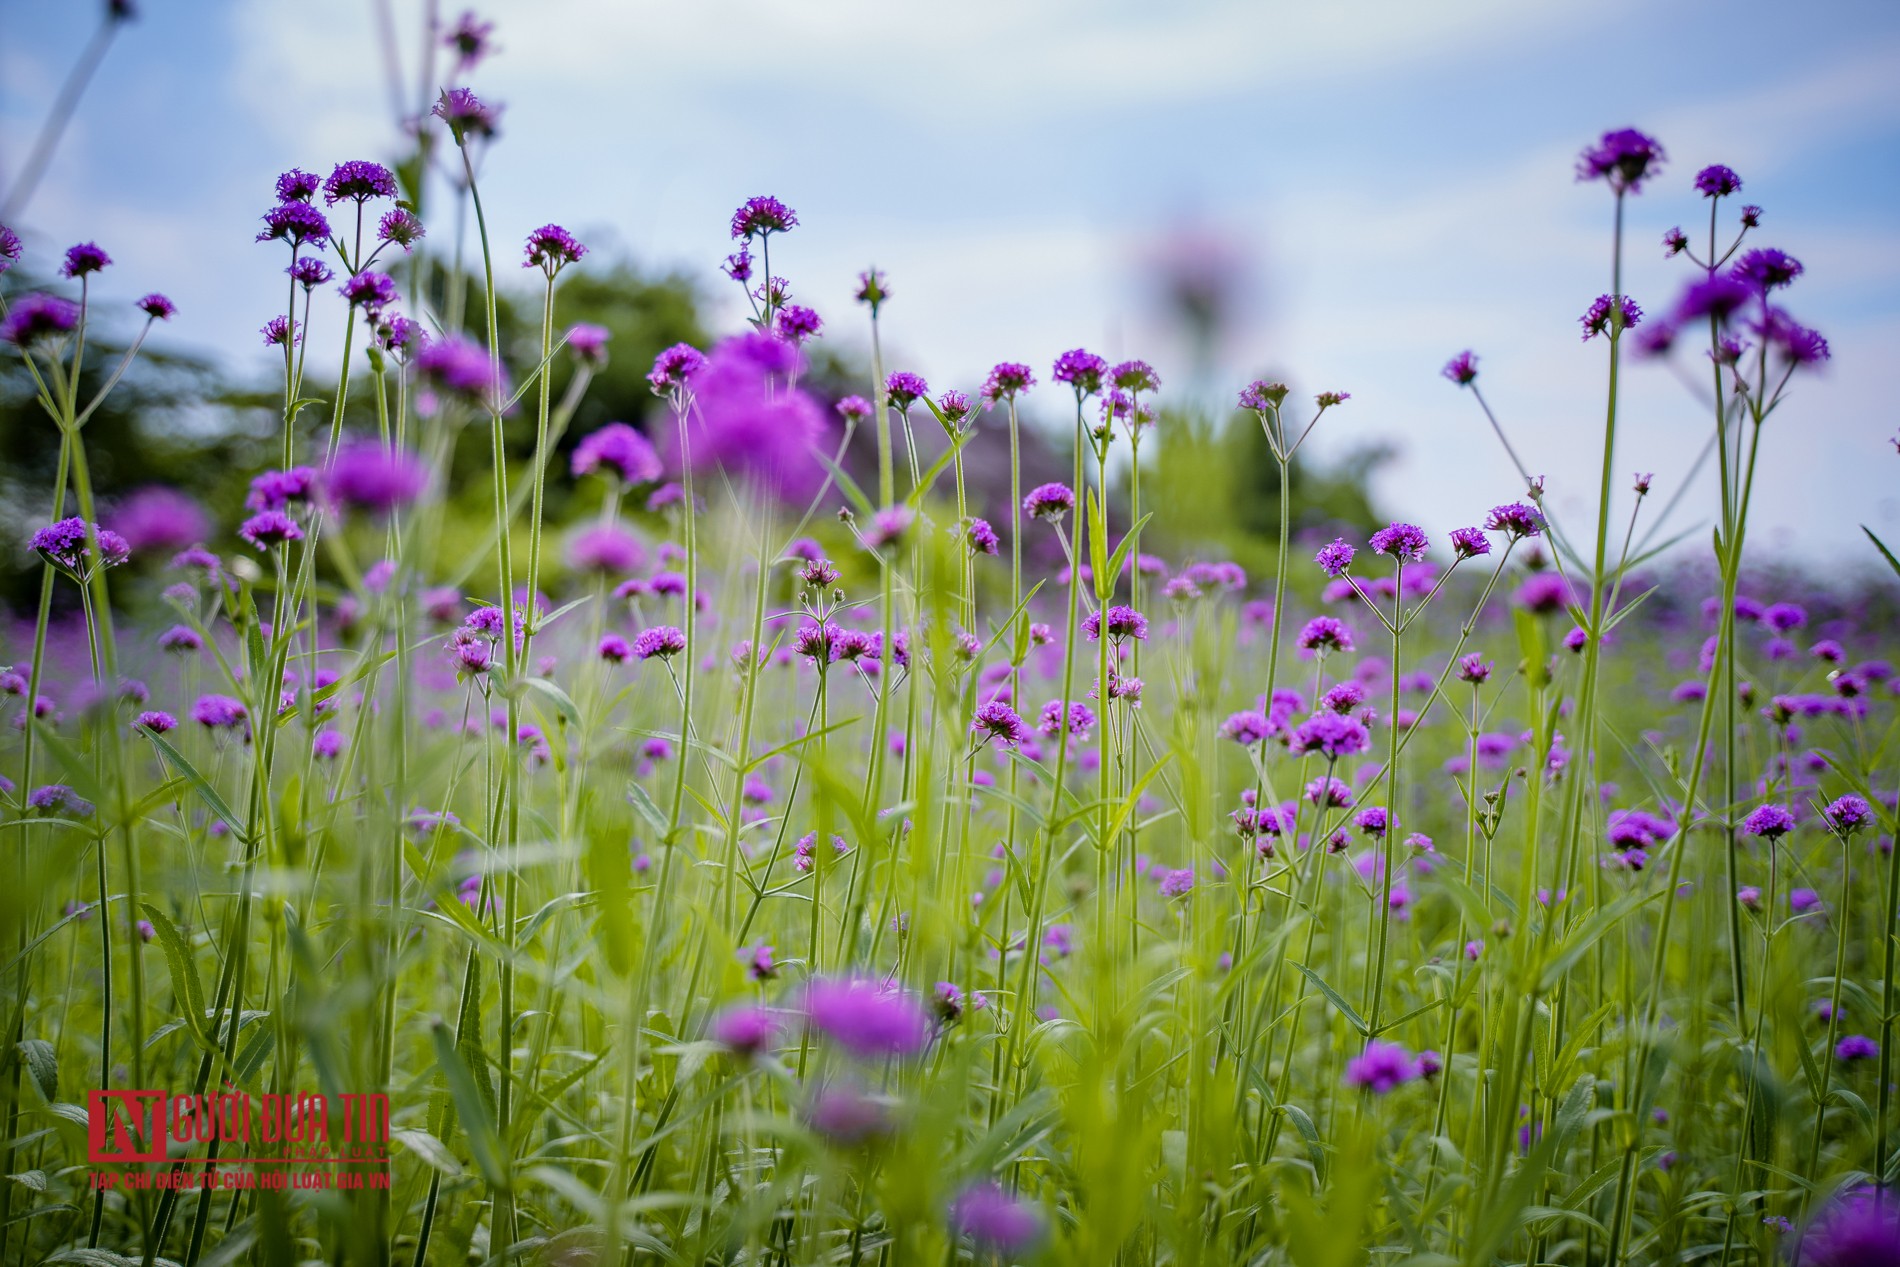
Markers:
<point>1848,814</point>
<point>218,712</point>
<point>1404,542</point>
<point>367,475</point>
<point>65,545</point>
<point>39,318</point>
<point>157,722</point>
<point>1261,395</point>
<point>904,388</point>
<point>551,248</point>
<point>761,217</point>
<point>998,723</point>
<point>1766,268</point>
<point>1334,559</point>
<point>1625,158</point>
<point>1463,368</point>
<point>1049,501</point>
<point>1608,315</point>
<point>1717,181</point>
<point>1382,1068</point>
<point>270,528</point>
<point>1007,380</point>
<point>674,367</point>
<point>159,518</point>
<point>661,641</point>
<point>1332,735</point>
<point>1123,623</point>
<point>1324,634</point>
<point>750,420</point>
<point>1469,543</point>
<point>799,323</point>
<point>1770,822</point>
<point>1515,520</point>
<point>588,343</point>
<point>465,114</point>
<point>400,227</point>
<point>295,223</point>
<point>607,549</point>
<point>854,409</point>
<point>981,538</point>
<point>1081,370</point>
<point>744,1031</point>
<point>56,800</point>
<point>83,259</point>
<point>461,369</point>
<point>157,307</point>
<point>868,1018</point>
<point>621,451</point>
<point>358,180</point>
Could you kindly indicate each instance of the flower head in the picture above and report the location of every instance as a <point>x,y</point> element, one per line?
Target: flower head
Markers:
<point>84,258</point>
<point>1848,814</point>
<point>1135,376</point>
<point>995,1221</point>
<point>1334,559</point>
<point>1857,1229</point>
<point>1769,822</point>
<point>295,223</point>
<point>1404,542</point>
<point>56,800</point>
<point>551,248</point>
<point>218,712</point>
<point>270,528</point>
<point>297,185</point>
<point>1515,520</point>
<point>465,114</point>
<point>1766,268</point>
<point>400,226</point>
<point>1382,1067</point>
<point>1081,370</point>
<point>64,544</point>
<point>998,722</point>
<point>1625,158</point>
<point>469,39</point>
<point>1049,501</point>
<point>904,387</point>
<point>36,318</point>
<point>1610,315</point>
<point>1123,622</point>
<point>866,1017</point>
<point>358,180</point>
<point>371,291</point>
<point>981,538</point>
<point>1007,380</point>
<point>157,307</point>
<point>1261,395</point>
<point>1717,181</point>
<point>619,450</point>
<point>369,475</point>
<point>661,641</point>
<point>762,216</point>
<point>799,323</point>
<point>1469,543</point>
<point>460,368</point>
<point>1323,634</point>
<point>675,367</point>
<point>744,1031</point>
<point>1463,368</point>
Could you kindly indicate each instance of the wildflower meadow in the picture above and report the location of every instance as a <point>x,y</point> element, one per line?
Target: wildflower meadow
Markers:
<point>805,850</point>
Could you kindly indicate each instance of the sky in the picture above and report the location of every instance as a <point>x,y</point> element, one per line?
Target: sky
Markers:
<point>1384,183</point>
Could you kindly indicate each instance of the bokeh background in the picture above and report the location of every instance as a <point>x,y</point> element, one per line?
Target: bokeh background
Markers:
<point>1342,195</point>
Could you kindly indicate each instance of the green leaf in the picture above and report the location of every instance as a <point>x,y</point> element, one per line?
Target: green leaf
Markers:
<point>563,703</point>
<point>1586,934</point>
<point>206,792</point>
<point>42,1064</point>
<point>643,804</point>
<point>184,969</point>
<point>1881,546</point>
<point>1303,1123</point>
<point>1098,538</point>
<point>1345,1009</point>
<point>470,1108</point>
<point>930,477</point>
<point>432,1150</point>
<point>1117,560</point>
<point>849,486</point>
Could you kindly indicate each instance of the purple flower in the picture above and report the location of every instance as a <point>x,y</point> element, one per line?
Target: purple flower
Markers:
<point>1081,370</point>
<point>998,722</point>
<point>1463,368</point>
<point>982,538</point>
<point>276,332</point>
<point>1847,815</point>
<point>762,216</point>
<point>84,258</point>
<point>854,409</point>
<point>457,367</point>
<point>1515,520</point>
<point>469,38</point>
<point>270,528</point>
<point>588,343</point>
<point>401,227</point>
<point>1135,376</point>
<point>1609,315</point>
<point>1246,728</point>
<point>1261,395</point>
<point>1334,559</point>
<point>846,1115</point>
<point>868,1018</point>
<point>1405,543</point>
<point>1474,668</point>
<point>157,307</point>
<point>661,641</point>
<point>1383,1067</point>
<point>1373,821</point>
<point>799,323</point>
<point>37,317</point>
<point>888,527</point>
<point>1717,181</point>
<point>159,518</point>
<point>1332,735</point>
<point>64,544</point>
<point>217,712</point>
<point>674,367</point>
<point>10,248</point>
<point>1766,268</point>
<point>1801,901</point>
<point>465,114</point>
<point>1049,501</point>
<point>996,1221</point>
<point>904,388</point>
<point>297,185</point>
<point>1675,242</point>
<point>1716,297</point>
<point>744,1031</point>
<point>1624,157</point>
<point>551,248</point>
<point>56,800</point>
<point>1123,623</point>
<point>370,291</point>
<point>613,648</point>
<point>1795,342</point>
<point>295,223</point>
<point>1323,634</point>
<point>1857,1047</point>
<point>366,475</point>
<point>1858,1229</point>
<point>1469,543</point>
<point>738,265</point>
<point>872,289</point>
<point>1177,882</point>
<point>1080,719</point>
<point>1326,400</point>
<point>358,180</point>
<point>1769,822</point>
<point>605,548</point>
<point>751,421</point>
<point>274,490</point>
<point>620,449</point>
<point>1007,380</point>
<point>157,722</point>
<point>180,638</point>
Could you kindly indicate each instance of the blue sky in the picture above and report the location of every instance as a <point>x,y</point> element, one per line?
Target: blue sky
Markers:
<point>1391,181</point>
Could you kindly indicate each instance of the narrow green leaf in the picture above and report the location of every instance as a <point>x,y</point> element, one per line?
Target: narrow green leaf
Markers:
<point>42,1064</point>
<point>206,792</point>
<point>470,1109</point>
<point>1345,1009</point>
<point>184,969</point>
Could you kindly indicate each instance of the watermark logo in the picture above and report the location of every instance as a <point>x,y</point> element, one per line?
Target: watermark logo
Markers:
<point>126,1126</point>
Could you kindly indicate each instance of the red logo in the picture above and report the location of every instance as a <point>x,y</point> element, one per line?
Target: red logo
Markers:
<point>125,1126</point>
